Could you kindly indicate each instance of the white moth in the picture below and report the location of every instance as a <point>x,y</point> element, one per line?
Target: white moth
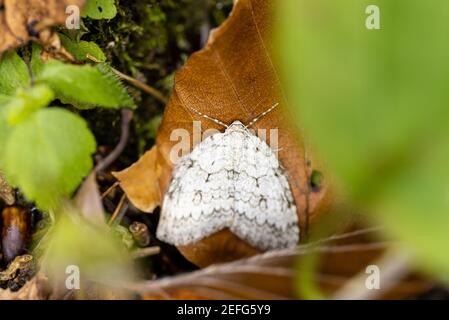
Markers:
<point>230,180</point>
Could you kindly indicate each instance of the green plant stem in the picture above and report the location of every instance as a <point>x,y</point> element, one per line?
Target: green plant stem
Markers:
<point>138,84</point>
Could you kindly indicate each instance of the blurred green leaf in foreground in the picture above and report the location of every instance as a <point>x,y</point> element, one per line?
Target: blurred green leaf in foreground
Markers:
<point>95,250</point>
<point>375,105</point>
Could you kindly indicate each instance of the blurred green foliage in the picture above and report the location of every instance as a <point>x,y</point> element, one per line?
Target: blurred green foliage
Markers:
<point>96,251</point>
<point>375,106</point>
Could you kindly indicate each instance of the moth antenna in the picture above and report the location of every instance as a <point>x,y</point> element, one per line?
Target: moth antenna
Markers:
<point>209,118</point>
<point>262,115</point>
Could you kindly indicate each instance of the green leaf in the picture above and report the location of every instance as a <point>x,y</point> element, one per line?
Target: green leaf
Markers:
<point>25,102</point>
<point>82,48</point>
<point>4,100</point>
<point>3,133</point>
<point>76,34</point>
<point>13,73</point>
<point>374,103</point>
<point>48,154</point>
<point>36,62</point>
<point>100,9</point>
<point>85,86</point>
<point>94,250</point>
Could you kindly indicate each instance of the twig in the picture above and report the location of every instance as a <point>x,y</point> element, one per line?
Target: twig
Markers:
<point>393,267</point>
<point>145,252</point>
<point>246,266</point>
<point>137,83</point>
<point>117,211</point>
<point>228,285</point>
<point>164,294</point>
<point>210,294</point>
<point>238,288</point>
<point>349,234</point>
<point>109,190</point>
<point>127,115</point>
<point>142,86</point>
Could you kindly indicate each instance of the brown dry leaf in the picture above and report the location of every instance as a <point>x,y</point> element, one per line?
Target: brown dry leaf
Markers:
<point>88,201</point>
<point>273,275</point>
<point>21,19</point>
<point>140,182</point>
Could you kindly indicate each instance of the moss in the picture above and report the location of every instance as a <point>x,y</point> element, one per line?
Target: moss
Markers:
<point>153,38</point>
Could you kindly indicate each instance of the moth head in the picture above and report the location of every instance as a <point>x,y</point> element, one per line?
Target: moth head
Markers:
<point>237,125</point>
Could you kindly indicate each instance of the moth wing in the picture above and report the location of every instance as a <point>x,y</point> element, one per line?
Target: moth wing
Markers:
<point>265,213</point>
<point>198,201</point>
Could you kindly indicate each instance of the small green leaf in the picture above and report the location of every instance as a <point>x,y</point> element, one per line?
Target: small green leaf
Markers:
<point>76,34</point>
<point>85,86</point>
<point>36,62</point>
<point>26,102</point>
<point>13,73</point>
<point>100,9</point>
<point>82,48</point>
<point>48,154</point>
<point>94,250</point>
